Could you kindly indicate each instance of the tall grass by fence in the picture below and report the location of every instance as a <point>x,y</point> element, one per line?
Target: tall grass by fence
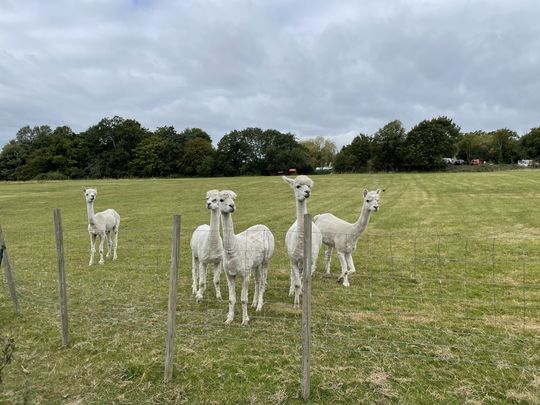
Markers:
<point>440,299</point>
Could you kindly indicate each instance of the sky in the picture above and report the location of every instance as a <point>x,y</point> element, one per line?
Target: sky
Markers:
<point>309,67</point>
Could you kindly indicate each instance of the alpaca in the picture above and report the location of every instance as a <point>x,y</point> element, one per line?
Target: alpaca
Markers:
<point>249,251</point>
<point>207,250</point>
<point>101,224</point>
<point>344,236</point>
<point>294,240</point>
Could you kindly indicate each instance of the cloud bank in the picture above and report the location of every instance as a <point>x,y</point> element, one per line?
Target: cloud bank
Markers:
<point>308,67</point>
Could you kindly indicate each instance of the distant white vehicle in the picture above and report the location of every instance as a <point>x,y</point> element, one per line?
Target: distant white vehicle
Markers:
<point>449,161</point>
<point>525,162</point>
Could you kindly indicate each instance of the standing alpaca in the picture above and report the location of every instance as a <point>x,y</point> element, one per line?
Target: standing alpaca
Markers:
<point>249,251</point>
<point>343,235</point>
<point>207,249</point>
<point>101,224</point>
<point>294,240</point>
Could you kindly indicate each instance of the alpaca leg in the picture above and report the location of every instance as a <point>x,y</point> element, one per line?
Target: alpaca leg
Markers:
<point>291,288</point>
<point>328,258</point>
<point>217,276</point>
<point>297,286</point>
<point>101,243</point>
<point>115,246</point>
<point>232,297</point>
<point>350,263</point>
<point>109,244</point>
<point>93,238</point>
<point>262,285</point>
<point>244,298</point>
<point>257,277</point>
<point>343,263</point>
<point>346,280</point>
<point>202,281</point>
<point>194,274</point>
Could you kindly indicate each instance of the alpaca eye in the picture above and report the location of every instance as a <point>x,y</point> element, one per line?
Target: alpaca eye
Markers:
<point>221,200</point>
<point>368,201</point>
<point>297,186</point>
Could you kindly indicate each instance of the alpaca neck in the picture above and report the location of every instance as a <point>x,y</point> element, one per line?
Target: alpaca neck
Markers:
<point>213,237</point>
<point>301,209</point>
<point>229,237</point>
<point>360,226</point>
<point>90,212</point>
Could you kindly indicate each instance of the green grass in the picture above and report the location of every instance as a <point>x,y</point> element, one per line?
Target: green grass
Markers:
<point>444,307</point>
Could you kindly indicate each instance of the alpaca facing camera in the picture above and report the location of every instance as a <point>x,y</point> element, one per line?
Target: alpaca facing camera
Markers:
<point>101,224</point>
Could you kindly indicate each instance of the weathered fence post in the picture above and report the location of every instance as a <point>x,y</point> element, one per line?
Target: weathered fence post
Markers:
<point>61,275</point>
<point>4,258</point>
<point>306,309</point>
<point>171,318</point>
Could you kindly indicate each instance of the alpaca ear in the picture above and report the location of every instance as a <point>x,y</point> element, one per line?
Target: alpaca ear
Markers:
<point>210,193</point>
<point>380,190</point>
<point>287,180</point>
<point>365,192</point>
<point>84,190</point>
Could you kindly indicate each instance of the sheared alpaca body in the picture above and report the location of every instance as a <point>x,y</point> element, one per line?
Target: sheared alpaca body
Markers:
<point>248,252</point>
<point>207,250</point>
<point>343,236</point>
<point>101,224</point>
<point>294,239</point>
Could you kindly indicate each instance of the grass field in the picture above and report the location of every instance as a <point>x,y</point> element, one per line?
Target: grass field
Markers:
<point>444,307</point>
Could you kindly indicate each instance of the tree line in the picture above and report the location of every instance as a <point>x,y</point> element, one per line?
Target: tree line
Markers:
<point>118,147</point>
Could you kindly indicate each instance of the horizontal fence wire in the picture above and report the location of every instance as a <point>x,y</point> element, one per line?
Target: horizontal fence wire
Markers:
<point>460,299</point>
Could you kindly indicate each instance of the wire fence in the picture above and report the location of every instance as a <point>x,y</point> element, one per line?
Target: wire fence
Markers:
<point>455,299</point>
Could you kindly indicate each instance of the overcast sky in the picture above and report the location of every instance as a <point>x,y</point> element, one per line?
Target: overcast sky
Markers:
<point>313,67</point>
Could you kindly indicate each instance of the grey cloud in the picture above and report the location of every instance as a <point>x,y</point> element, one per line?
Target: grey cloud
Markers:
<point>308,67</point>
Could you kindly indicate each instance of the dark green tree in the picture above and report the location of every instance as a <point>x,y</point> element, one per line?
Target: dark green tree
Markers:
<point>198,157</point>
<point>428,142</point>
<point>322,152</point>
<point>473,145</point>
<point>253,151</point>
<point>148,158</point>
<point>504,146</point>
<point>111,144</point>
<point>530,144</point>
<point>356,156</point>
<point>387,147</point>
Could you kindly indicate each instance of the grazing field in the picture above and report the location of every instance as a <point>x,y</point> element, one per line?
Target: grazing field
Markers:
<point>444,307</point>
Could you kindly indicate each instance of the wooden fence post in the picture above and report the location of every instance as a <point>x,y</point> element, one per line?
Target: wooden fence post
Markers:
<point>171,318</point>
<point>4,258</point>
<point>306,309</point>
<point>61,275</point>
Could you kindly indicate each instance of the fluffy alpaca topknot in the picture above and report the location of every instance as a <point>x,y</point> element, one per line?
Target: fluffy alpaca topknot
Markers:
<point>228,194</point>
<point>211,193</point>
<point>304,180</point>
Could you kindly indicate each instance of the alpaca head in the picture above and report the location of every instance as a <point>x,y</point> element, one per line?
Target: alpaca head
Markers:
<point>371,199</point>
<point>301,186</point>
<point>212,199</point>
<point>90,194</point>
<point>226,201</point>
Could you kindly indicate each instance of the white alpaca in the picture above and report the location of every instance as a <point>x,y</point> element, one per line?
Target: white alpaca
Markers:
<point>249,251</point>
<point>294,240</point>
<point>101,224</point>
<point>343,235</point>
<point>207,249</point>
